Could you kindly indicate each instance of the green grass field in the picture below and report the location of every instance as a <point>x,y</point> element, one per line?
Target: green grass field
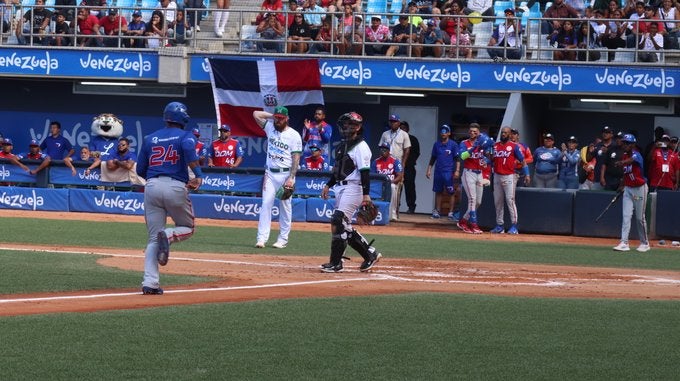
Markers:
<point>395,337</point>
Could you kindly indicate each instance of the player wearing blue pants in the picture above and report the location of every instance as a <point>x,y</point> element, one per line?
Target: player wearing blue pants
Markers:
<point>443,157</point>
<point>163,160</point>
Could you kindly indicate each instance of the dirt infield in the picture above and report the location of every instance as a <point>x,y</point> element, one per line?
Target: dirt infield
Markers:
<point>254,277</point>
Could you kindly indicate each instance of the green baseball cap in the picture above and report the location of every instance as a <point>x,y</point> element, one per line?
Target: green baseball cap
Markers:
<point>280,111</point>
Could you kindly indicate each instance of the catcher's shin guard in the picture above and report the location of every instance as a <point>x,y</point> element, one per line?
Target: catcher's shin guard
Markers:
<point>359,243</point>
<point>338,237</point>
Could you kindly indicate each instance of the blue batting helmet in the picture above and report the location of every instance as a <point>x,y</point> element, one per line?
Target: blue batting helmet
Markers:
<point>629,138</point>
<point>176,112</point>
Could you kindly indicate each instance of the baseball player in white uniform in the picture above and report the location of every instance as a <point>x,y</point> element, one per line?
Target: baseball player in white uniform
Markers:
<point>284,146</point>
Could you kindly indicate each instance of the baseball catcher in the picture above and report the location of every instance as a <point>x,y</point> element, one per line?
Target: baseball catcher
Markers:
<point>351,184</point>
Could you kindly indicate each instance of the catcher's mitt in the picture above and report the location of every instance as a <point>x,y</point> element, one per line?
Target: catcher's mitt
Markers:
<point>367,213</point>
<point>284,193</point>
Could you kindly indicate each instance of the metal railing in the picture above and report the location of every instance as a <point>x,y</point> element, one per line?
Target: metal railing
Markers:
<point>341,40</point>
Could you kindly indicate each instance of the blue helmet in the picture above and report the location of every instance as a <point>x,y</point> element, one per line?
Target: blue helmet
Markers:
<point>629,138</point>
<point>176,112</point>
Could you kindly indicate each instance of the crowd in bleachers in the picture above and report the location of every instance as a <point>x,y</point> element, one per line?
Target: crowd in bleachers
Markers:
<point>559,29</point>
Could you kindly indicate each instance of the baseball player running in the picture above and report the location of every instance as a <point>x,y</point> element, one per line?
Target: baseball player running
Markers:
<point>350,181</point>
<point>284,146</point>
<point>163,160</point>
<point>505,156</point>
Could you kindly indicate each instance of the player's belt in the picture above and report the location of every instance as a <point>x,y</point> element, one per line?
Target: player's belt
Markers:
<point>279,170</point>
<point>345,182</point>
<point>477,171</point>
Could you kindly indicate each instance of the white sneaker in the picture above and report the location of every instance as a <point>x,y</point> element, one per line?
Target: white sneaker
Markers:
<point>259,245</point>
<point>198,28</point>
<point>622,247</point>
<point>280,244</point>
<point>219,33</point>
<point>643,248</point>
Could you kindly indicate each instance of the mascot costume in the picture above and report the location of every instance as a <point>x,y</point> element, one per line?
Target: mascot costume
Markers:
<point>106,130</point>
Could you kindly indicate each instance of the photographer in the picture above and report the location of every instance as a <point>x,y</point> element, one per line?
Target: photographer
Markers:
<point>272,31</point>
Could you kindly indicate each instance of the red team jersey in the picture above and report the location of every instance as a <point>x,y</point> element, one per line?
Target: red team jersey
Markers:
<point>476,161</point>
<point>388,166</point>
<point>224,154</point>
<point>505,156</point>
<point>315,163</point>
<point>663,161</point>
<point>632,173</point>
<point>4,155</point>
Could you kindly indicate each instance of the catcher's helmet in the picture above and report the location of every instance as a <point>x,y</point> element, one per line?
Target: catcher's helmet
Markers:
<point>629,138</point>
<point>176,112</point>
<point>349,123</point>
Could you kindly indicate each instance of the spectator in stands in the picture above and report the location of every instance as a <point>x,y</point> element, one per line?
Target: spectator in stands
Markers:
<point>36,23</point>
<point>650,43</point>
<point>432,41</point>
<point>410,169</point>
<point>6,15</point>
<point>671,22</point>
<point>122,158</point>
<point>391,167</point>
<point>506,40</point>
<point>6,153</point>
<point>528,157</point>
<point>194,14</point>
<point>546,163</point>
<point>68,9</point>
<point>615,34</point>
<point>85,154</point>
<point>88,29</point>
<point>315,161</point>
<point>444,159</point>
<point>599,152</point>
<point>664,166</point>
<point>353,35</point>
<point>317,132</point>
<point>168,7</point>
<point>586,38</point>
<point>155,31</point>
<point>460,43</point>
<point>323,40</point>
<point>612,6</point>
<point>629,7</point>
<point>565,39</point>
<point>355,4</point>
<point>268,8</point>
<point>114,26</point>
<point>100,7</point>
<point>415,19</point>
<point>299,35</point>
<point>292,10</point>
<point>452,22</point>
<point>179,30</point>
<point>558,10</point>
<point>484,7</point>
<point>225,151</point>
<point>58,147</point>
<point>222,15</point>
<point>61,31</point>
<point>579,5</point>
<point>402,33</point>
<point>377,37</point>
<point>271,31</point>
<point>634,25</point>
<point>35,154</point>
<point>531,3</point>
<point>314,15</point>
<point>569,162</point>
<point>136,28</point>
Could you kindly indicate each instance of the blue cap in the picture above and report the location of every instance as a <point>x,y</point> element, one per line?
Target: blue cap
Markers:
<point>7,142</point>
<point>314,147</point>
<point>384,146</point>
<point>33,143</point>
<point>196,132</point>
<point>628,138</point>
<point>394,118</point>
<point>225,127</point>
<point>445,129</point>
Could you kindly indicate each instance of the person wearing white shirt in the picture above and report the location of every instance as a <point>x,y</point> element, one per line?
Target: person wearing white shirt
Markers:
<point>650,43</point>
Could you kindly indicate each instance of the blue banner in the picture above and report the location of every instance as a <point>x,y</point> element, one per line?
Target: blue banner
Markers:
<point>95,201</point>
<point>34,199</point>
<point>232,182</point>
<point>240,208</point>
<point>319,210</point>
<point>519,76</point>
<point>60,175</point>
<point>80,64</point>
<point>14,174</point>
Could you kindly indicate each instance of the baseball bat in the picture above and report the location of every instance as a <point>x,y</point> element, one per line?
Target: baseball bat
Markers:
<point>616,197</point>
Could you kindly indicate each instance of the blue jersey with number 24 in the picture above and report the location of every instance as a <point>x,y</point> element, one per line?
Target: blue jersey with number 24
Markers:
<point>167,152</point>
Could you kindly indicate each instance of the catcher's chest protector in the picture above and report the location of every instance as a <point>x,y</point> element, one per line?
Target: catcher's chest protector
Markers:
<point>344,165</point>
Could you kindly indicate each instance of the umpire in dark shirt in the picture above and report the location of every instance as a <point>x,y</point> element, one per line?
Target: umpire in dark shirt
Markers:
<point>610,174</point>
<point>410,170</point>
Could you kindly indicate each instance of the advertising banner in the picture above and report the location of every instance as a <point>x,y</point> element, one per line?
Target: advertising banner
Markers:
<point>96,201</point>
<point>34,199</point>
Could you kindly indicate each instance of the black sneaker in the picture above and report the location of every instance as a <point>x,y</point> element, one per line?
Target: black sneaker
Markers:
<point>152,291</point>
<point>163,248</point>
<point>366,265</point>
<point>331,268</point>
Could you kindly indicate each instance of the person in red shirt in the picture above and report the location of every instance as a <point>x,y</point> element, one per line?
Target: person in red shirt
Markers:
<point>506,155</point>
<point>472,180</point>
<point>315,162</point>
<point>528,157</point>
<point>391,167</point>
<point>634,194</point>
<point>201,149</point>
<point>114,26</point>
<point>6,153</point>
<point>89,26</point>
<point>225,151</point>
<point>664,166</point>
<point>34,153</point>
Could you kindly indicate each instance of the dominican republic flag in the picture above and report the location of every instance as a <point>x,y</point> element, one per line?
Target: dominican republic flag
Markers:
<point>241,87</point>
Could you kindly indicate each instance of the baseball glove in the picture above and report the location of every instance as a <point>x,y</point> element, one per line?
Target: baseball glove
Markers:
<point>284,193</point>
<point>367,213</point>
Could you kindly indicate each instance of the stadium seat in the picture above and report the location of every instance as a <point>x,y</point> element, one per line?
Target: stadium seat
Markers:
<point>624,56</point>
<point>376,7</point>
<point>502,5</point>
<point>127,7</point>
<point>248,32</point>
<point>396,6</point>
<point>483,32</point>
<point>546,52</point>
<point>500,18</point>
